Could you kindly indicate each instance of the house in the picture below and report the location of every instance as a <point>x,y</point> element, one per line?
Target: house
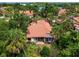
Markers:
<point>27,12</point>
<point>59,21</point>
<point>39,31</point>
<point>62,11</point>
<point>2,9</point>
<point>76,22</point>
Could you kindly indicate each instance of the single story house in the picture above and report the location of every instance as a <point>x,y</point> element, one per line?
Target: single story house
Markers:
<point>62,11</point>
<point>27,12</point>
<point>76,22</point>
<point>39,31</point>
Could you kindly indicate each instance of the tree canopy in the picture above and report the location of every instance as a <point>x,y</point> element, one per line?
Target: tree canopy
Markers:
<point>13,29</point>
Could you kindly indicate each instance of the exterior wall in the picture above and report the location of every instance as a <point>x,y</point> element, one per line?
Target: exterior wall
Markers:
<point>47,40</point>
<point>33,40</point>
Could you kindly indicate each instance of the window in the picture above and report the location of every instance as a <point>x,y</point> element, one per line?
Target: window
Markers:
<point>48,39</point>
<point>40,39</point>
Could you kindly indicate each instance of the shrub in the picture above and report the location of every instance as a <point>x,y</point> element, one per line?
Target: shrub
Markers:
<point>45,52</point>
<point>31,50</point>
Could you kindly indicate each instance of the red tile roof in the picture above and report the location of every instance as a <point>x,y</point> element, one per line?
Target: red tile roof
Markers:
<point>41,28</point>
<point>76,22</point>
<point>27,12</point>
<point>61,12</point>
<point>60,21</point>
<point>76,18</point>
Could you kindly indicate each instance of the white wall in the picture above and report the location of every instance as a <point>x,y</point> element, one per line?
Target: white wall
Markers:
<point>33,40</point>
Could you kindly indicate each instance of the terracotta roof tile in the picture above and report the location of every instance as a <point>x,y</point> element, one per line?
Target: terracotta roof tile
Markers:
<point>27,12</point>
<point>76,22</point>
<point>61,12</point>
<point>39,29</point>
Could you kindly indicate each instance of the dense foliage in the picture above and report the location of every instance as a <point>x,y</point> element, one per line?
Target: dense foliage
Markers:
<point>45,52</point>
<point>13,29</point>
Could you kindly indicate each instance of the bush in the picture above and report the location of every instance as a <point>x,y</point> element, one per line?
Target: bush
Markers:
<point>31,50</point>
<point>45,52</point>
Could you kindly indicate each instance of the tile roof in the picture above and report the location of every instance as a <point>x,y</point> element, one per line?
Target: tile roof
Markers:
<point>27,12</point>
<point>61,12</point>
<point>41,28</point>
<point>76,22</point>
<point>59,21</point>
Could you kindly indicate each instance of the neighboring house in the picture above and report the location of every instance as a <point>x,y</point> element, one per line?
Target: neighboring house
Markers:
<point>39,31</point>
<point>27,12</point>
<point>2,11</point>
<point>59,21</point>
<point>76,22</point>
<point>62,12</point>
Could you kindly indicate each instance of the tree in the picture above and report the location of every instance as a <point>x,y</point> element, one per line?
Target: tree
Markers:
<point>14,43</point>
<point>45,52</point>
<point>32,51</point>
<point>3,25</point>
<point>72,47</point>
<point>19,21</point>
<point>63,27</point>
<point>72,50</point>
